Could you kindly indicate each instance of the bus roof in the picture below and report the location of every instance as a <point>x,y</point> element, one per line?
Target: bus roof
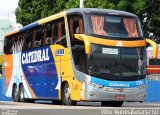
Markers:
<point>73,10</point>
<point>98,10</point>
<point>39,22</point>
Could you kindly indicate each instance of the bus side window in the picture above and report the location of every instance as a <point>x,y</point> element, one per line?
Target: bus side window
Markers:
<point>76,25</point>
<point>49,33</point>
<point>22,41</point>
<point>15,44</point>
<point>61,33</point>
<point>8,45</point>
<point>6,48</point>
<point>55,37</point>
<point>29,37</point>
<point>39,36</point>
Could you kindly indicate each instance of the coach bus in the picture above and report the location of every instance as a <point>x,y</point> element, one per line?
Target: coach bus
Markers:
<point>153,66</point>
<point>77,55</point>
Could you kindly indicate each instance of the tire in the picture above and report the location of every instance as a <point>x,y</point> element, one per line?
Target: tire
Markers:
<point>112,103</point>
<point>66,97</point>
<point>15,94</point>
<point>21,94</point>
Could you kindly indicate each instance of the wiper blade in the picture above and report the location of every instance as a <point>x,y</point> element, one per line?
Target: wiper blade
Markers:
<point>107,74</point>
<point>103,74</point>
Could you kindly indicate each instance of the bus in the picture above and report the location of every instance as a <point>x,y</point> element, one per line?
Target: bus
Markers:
<point>153,66</point>
<point>82,54</point>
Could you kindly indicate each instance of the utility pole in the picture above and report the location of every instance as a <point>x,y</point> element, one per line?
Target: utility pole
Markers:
<point>81,3</point>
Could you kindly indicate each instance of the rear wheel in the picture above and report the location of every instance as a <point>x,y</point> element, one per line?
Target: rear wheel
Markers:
<point>21,94</point>
<point>66,96</point>
<point>15,94</point>
<point>112,103</point>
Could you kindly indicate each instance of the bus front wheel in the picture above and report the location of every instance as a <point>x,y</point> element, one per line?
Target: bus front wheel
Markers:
<point>66,96</point>
<point>112,103</point>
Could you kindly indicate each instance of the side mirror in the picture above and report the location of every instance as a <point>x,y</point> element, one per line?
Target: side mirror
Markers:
<point>154,62</point>
<point>86,40</point>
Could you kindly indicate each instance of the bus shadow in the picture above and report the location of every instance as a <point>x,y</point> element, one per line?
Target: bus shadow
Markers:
<point>92,104</point>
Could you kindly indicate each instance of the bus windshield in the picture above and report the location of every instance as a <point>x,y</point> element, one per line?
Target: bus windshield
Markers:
<point>114,26</point>
<point>116,62</point>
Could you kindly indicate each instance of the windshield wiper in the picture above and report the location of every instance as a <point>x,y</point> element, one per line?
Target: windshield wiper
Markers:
<point>102,74</point>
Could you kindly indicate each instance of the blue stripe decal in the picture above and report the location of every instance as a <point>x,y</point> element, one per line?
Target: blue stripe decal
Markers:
<point>29,26</point>
<point>39,68</point>
<point>118,84</point>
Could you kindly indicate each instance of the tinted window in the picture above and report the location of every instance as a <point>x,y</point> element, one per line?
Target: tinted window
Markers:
<point>8,45</point>
<point>29,38</point>
<point>39,36</point>
<point>114,26</point>
<point>76,26</point>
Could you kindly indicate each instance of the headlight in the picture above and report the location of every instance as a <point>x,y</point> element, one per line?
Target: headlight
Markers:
<point>98,86</point>
<point>141,87</point>
<point>95,85</point>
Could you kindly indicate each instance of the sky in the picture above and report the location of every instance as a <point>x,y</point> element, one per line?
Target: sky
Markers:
<point>7,7</point>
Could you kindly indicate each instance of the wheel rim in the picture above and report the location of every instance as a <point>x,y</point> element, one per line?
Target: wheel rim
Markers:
<point>15,92</point>
<point>21,95</point>
<point>15,96</point>
<point>67,94</point>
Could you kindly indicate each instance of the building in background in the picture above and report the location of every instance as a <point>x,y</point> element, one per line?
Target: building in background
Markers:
<point>7,25</point>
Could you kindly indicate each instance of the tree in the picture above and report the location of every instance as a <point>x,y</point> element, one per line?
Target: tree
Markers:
<point>23,12</point>
<point>152,23</point>
<point>33,10</point>
<point>147,10</point>
<point>134,6</point>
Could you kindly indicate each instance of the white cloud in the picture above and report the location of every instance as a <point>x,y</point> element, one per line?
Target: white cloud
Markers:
<point>7,6</point>
<point>7,11</point>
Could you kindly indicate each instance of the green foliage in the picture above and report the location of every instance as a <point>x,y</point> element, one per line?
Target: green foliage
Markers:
<point>72,4</point>
<point>153,16</point>
<point>32,10</point>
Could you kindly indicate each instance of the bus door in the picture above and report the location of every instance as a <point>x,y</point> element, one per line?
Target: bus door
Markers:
<point>78,50</point>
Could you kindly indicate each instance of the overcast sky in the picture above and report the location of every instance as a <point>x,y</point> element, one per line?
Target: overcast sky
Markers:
<point>7,6</point>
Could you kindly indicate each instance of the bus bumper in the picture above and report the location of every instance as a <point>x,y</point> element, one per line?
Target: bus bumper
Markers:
<point>114,94</point>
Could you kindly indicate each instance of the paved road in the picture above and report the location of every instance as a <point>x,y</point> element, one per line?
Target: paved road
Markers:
<point>85,108</point>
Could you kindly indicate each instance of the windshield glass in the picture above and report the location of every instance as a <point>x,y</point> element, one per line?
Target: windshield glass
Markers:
<point>118,63</point>
<point>114,26</point>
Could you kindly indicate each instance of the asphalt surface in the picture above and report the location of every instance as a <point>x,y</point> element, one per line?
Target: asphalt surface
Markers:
<point>82,108</point>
